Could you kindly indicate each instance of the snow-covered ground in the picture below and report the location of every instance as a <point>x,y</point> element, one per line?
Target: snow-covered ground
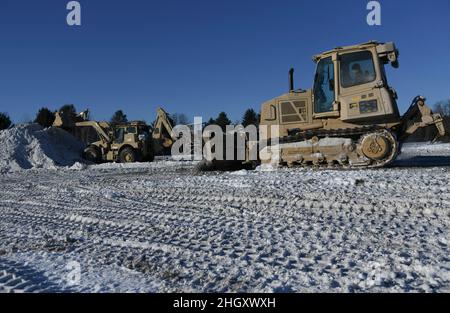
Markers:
<point>162,227</point>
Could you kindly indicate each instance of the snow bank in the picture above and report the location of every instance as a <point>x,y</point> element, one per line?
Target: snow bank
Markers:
<point>436,149</point>
<point>30,146</point>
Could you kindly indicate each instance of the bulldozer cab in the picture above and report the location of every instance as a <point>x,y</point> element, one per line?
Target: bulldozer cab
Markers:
<point>350,83</point>
<point>349,88</point>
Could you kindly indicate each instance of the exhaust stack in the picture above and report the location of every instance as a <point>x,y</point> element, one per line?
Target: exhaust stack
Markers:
<point>291,80</point>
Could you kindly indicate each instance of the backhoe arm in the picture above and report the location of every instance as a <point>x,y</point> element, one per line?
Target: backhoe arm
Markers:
<point>162,122</point>
<point>100,128</point>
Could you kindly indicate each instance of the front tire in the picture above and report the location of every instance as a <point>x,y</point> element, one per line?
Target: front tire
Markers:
<point>92,154</point>
<point>128,155</point>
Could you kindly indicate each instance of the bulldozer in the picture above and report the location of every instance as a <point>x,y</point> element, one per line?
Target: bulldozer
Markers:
<point>349,118</point>
<point>123,142</point>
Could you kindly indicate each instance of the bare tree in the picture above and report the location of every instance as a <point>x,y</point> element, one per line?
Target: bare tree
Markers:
<point>443,107</point>
<point>179,119</point>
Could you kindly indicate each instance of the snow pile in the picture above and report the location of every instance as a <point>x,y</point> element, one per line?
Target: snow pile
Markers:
<point>30,146</point>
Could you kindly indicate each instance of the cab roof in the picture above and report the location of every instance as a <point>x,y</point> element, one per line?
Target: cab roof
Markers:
<point>383,47</point>
<point>132,123</point>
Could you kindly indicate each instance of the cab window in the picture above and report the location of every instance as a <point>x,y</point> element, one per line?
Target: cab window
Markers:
<point>357,69</point>
<point>131,130</point>
<point>143,130</point>
<point>119,134</point>
<point>324,86</point>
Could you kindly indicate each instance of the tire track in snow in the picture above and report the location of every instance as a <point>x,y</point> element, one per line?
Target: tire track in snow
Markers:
<point>292,230</point>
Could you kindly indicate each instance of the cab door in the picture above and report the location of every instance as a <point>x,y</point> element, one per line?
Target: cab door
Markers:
<point>360,84</point>
<point>324,89</point>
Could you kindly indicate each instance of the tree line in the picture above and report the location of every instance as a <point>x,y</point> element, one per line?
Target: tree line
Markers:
<point>45,117</point>
<point>250,117</point>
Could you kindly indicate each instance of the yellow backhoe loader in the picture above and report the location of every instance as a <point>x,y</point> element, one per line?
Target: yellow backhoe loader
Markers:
<point>123,142</point>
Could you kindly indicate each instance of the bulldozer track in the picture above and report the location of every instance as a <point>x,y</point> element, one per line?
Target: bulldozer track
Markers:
<point>321,133</point>
<point>356,135</point>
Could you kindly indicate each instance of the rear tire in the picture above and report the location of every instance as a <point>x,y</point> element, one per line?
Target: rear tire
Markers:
<point>92,154</point>
<point>128,155</point>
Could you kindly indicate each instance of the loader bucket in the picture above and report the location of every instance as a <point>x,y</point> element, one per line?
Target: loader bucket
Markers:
<point>58,120</point>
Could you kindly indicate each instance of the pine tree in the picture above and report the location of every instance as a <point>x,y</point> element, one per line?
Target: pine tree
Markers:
<point>250,118</point>
<point>222,120</point>
<point>5,121</point>
<point>68,109</point>
<point>211,121</point>
<point>68,114</point>
<point>119,117</point>
<point>45,117</point>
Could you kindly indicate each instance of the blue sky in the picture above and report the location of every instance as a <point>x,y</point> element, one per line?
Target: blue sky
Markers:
<point>200,57</point>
